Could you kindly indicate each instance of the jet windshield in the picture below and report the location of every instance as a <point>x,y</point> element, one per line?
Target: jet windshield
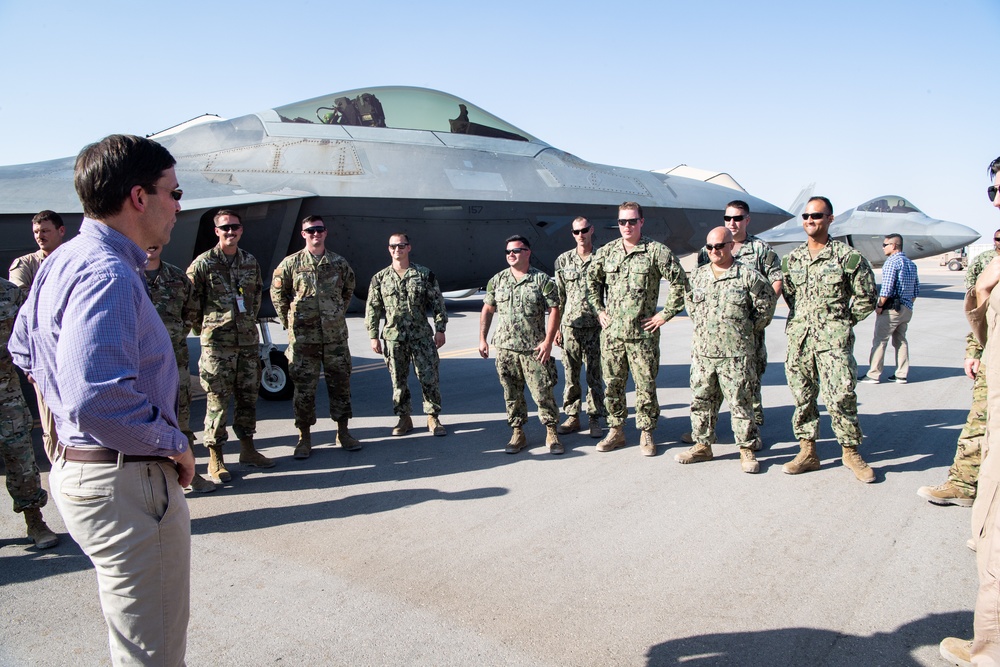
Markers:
<point>889,204</point>
<point>403,108</point>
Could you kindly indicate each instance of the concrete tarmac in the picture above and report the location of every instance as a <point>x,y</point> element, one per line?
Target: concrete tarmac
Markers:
<point>446,551</point>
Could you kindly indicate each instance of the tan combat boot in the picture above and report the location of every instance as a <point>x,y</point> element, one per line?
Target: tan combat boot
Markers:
<point>696,454</point>
<point>748,460</point>
<point>571,425</point>
<point>758,443</point>
<point>517,441</point>
<point>861,470</point>
<point>805,461</point>
<point>956,651</point>
<point>38,531</point>
<point>249,456</point>
<point>946,494</point>
<point>687,438</point>
<point>434,426</point>
<point>615,439</point>
<point>303,448</point>
<point>216,466</point>
<point>595,428</point>
<point>552,440</point>
<point>403,426</point>
<point>201,485</point>
<point>345,439</point>
<point>646,445</point>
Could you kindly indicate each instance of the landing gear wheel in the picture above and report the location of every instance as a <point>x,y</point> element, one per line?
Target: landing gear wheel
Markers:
<point>276,384</point>
<point>954,265</point>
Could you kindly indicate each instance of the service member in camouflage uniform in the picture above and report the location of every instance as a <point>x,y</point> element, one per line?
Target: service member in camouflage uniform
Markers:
<point>624,286</point>
<point>757,254</point>
<point>49,231</point>
<point>172,294</point>
<point>963,475</point>
<point>24,484</point>
<point>227,292</point>
<point>402,293</point>
<point>311,290</point>
<point>580,332</point>
<point>829,287</point>
<point>519,296</point>
<point>729,303</point>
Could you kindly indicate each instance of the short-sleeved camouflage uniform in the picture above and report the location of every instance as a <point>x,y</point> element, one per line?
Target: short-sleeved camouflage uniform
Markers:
<point>23,481</point>
<point>626,285</point>
<point>727,312</point>
<point>311,295</point>
<point>230,344</point>
<point>173,297</point>
<point>407,337</point>
<point>581,335</point>
<point>757,254</point>
<point>520,314</point>
<point>826,295</point>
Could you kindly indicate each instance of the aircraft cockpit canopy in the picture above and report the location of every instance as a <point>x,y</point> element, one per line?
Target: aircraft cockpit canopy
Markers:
<point>889,204</point>
<point>401,107</point>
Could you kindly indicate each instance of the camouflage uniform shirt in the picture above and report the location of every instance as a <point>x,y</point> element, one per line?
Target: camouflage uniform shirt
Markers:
<point>520,308</point>
<point>973,350</point>
<point>23,269</point>
<point>311,296</point>
<point>404,302</point>
<point>573,282</point>
<point>173,296</point>
<point>726,311</point>
<point>217,286</point>
<point>826,295</point>
<point>628,284</point>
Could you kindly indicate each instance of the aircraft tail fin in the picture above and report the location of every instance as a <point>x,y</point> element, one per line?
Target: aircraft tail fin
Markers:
<point>799,204</point>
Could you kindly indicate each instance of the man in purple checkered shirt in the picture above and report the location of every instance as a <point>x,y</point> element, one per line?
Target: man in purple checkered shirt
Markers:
<point>91,339</point>
<point>894,308</point>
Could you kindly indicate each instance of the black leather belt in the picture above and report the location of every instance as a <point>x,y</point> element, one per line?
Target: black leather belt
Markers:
<point>103,455</point>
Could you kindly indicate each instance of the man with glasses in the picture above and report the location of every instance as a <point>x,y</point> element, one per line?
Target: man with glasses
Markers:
<point>893,311</point>
<point>227,293</point>
<point>519,296</point>
<point>403,292</point>
<point>311,290</point>
<point>729,302</point>
<point>829,287</point>
<point>580,332</point>
<point>963,475</point>
<point>624,286</point>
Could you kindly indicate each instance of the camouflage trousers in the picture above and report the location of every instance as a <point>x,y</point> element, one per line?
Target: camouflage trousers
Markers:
<point>517,369</point>
<point>834,373</point>
<point>228,372</point>
<point>642,357</point>
<point>184,399</point>
<point>964,471</point>
<point>714,379</point>
<point>304,362</point>
<point>582,345</point>
<point>759,366</point>
<point>23,481</point>
<point>424,356</point>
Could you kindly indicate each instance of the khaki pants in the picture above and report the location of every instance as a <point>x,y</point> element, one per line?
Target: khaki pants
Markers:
<point>891,323</point>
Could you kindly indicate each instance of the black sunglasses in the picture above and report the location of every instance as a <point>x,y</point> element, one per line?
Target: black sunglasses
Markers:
<point>991,191</point>
<point>586,229</point>
<point>397,246</point>
<point>314,230</point>
<point>717,246</point>
<point>230,228</point>
<point>733,218</point>
<point>629,222</point>
<point>516,251</point>
<point>813,216</point>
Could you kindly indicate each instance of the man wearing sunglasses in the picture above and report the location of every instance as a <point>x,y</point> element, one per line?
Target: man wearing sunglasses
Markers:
<point>227,293</point>
<point>624,286</point>
<point>311,290</point>
<point>893,311</point>
<point>580,332</point>
<point>829,287</point>
<point>402,293</point>
<point>519,296</point>
<point>963,475</point>
<point>729,302</point>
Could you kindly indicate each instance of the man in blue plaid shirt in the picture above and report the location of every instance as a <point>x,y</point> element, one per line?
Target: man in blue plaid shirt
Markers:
<point>894,308</point>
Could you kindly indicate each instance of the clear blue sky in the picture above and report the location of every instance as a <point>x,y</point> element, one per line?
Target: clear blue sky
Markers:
<point>863,98</point>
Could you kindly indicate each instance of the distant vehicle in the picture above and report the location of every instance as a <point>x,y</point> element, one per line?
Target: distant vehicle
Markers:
<point>955,261</point>
<point>864,228</point>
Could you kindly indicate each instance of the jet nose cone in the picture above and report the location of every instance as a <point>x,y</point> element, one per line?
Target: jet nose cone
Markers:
<point>951,235</point>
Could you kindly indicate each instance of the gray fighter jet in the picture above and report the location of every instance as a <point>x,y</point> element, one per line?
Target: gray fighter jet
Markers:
<point>864,227</point>
<point>375,161</point>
